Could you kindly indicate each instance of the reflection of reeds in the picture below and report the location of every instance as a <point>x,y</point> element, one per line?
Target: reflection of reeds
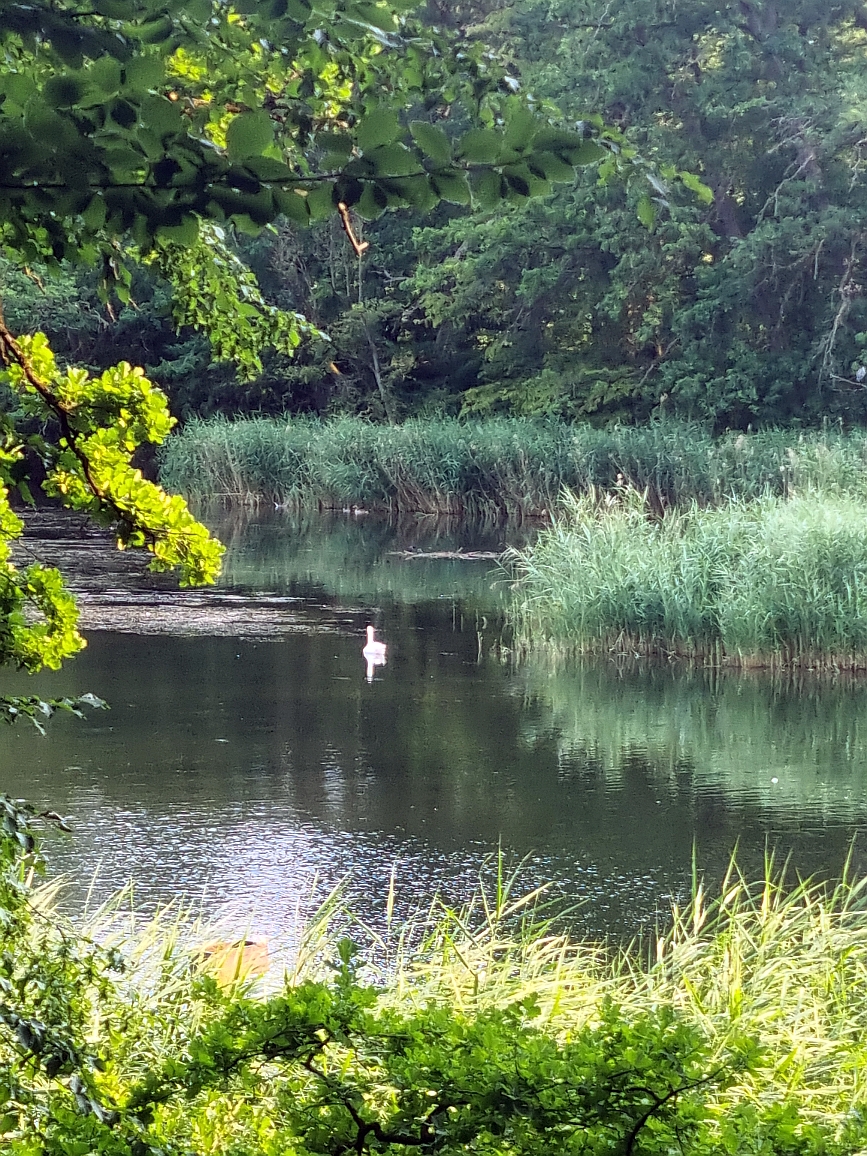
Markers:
<point>730,732</point>
<point>772,582</point>
<point>506,466</point>
<point>354,557</point>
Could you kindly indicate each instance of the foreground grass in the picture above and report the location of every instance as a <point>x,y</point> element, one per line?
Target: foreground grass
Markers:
<point>769,582</point>
<point>741,1028</point>
<point>499,466</point>
<point>783,967</point>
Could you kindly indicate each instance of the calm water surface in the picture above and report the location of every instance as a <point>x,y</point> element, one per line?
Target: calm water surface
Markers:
<point>257,767</point>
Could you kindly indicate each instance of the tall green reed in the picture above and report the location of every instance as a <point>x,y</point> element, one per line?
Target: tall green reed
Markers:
<point>509,465</point>
<point>773,581</point>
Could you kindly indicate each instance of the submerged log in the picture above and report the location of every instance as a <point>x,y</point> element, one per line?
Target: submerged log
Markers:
<point>459,555</point>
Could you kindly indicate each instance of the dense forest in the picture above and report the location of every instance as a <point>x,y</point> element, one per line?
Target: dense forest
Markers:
<point>605,300</point>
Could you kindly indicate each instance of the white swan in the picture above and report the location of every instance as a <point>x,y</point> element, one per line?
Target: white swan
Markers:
<point>374,653</point>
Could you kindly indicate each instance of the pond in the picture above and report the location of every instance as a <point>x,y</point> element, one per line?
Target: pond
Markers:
<point>247,762</point>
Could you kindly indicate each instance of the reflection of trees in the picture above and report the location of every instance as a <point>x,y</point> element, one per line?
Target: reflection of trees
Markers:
<point>592,766</point>
<point>588,765</point>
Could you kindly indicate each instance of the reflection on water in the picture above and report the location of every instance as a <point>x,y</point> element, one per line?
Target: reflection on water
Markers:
<point>247,767</point>
<point>358,557</point>
<point>792,746</point>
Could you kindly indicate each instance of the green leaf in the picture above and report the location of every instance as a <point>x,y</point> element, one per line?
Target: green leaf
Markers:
<point>18,87</point>
<point>552,167</point>
<point>94,215</point>
<point>64,91</point>
<point>124,162</point>
<point>319,202</point>
<point>198,10</point>
<point>480,146</point>
<point>520,127</point>
<point>646,211</point>
<point>105,74</point>
<point>115,9</point>
<point>186,233</point>
<point>416,191</point>
<point>267,169</point>
<point>697,186</point>
<point>556,140</point>
<point>537,183</point>
<point>159,115</point>
<point>488,188</point>
<point>432,141</point>
<point>393,160</point>
<point>298,10</point>
<point>377,15</point>
<point>338,144</point>
<point>144,72</point>
<point>249,135</point>
<point>378,127</point>
<point>588,153</point>
<point>451,186</point>
<point>372,202</point>
<point>156,31</point>
<point>292,205</point>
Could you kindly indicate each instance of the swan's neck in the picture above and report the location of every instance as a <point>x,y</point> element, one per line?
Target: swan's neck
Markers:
<point>370,633</point>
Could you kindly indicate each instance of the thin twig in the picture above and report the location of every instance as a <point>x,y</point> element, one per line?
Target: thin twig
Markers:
<point>358,246</point>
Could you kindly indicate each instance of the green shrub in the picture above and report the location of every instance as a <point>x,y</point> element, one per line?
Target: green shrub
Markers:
<point>744,1032</point>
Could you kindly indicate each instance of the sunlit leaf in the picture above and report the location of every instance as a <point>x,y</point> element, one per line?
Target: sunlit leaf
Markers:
<point>646,212</point>
<point>249,134</point>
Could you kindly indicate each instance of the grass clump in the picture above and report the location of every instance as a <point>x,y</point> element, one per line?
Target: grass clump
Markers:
<point>773,974</point>
<point>768,582</point>
<point>506,466</point>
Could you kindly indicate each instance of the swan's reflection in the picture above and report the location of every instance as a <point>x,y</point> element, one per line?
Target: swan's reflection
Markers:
<point>374,653</point>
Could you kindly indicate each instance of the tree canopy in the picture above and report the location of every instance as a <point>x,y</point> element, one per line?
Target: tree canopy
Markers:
<point>610,301</point>
<point>134,119</point>
<point>745,308</point>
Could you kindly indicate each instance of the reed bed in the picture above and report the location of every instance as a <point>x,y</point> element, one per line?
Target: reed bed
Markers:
<point>770,582</point>
<point>502,466</point>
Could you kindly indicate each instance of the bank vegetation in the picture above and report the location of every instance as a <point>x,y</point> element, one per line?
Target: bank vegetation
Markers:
<point>498,466</point>
<point>779,581</point>
<point>740,1027</point>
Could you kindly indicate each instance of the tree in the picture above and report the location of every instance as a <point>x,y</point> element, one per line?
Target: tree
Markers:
<point>744,307</point>
<point>140,119</point>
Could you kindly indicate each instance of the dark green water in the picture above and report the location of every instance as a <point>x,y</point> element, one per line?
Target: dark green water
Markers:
<point>255,767</point>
